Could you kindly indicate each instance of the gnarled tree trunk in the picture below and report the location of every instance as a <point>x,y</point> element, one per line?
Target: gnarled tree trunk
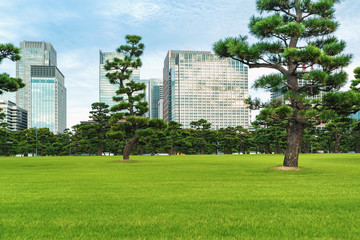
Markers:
<point>129,144</point>
<point>295,132</point>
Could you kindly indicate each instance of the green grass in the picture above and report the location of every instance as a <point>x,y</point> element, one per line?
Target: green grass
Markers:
<point>180,197</point>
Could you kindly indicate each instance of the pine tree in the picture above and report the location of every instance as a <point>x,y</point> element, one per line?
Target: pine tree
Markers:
<point>295,38</point>
<point>7,83</point>
<point>99,115</point>
<point>126,121</point>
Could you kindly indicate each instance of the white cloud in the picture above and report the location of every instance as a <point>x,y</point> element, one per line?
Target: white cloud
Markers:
<point>9,27</point>
<point>138,10</point>
<point>80,67</point>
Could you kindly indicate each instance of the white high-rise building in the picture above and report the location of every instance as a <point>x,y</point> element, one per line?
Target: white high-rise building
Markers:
<point>44,94</point>
<point>203,86</point>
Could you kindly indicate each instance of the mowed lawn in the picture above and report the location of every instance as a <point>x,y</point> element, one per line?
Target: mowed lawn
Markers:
<point>180,197</point>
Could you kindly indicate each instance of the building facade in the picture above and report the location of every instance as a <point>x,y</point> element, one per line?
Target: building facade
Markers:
<point>107,90</point>
<point>15,117</point>
<point>203,86</point>
<point>156,94</point>
<point>48,98</point>
<point>169,62</point>
<point>161,109</point>
<point>280,96</point>
<point>44,94</point>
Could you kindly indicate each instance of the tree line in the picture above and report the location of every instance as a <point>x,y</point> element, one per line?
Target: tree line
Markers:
<point>95,138</point>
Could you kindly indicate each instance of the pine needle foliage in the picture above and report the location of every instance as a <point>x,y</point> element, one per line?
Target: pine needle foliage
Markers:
<point>295,38</point>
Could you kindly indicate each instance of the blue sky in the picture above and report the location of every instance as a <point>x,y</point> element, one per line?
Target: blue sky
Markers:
<point>78,29</point>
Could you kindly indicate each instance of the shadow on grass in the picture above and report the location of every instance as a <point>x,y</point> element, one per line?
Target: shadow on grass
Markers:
<point>126,161</point>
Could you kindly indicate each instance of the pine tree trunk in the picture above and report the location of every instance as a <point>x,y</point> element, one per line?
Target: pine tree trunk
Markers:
<point>329,143</point>
<point>295,133</point>
<point>357,147</point>
<point>203,146</point>
<point>277,149</point>
<point>267,149</point>
<point>307,147</point>
<point>6,152</point>
<point>337,142</point>
<point>128,146</point>
<point>99,149</point>
<point>133,152</point>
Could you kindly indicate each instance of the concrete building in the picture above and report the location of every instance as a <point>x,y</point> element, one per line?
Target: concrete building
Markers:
<point>161,109</point>
<point>15,117</point>
<point>200,85</point>
<point>44,95</point>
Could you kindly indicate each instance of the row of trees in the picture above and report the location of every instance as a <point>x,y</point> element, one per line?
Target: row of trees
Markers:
<point>94,138</point>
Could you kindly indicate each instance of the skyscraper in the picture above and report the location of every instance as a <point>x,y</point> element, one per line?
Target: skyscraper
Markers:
<point>48,98</point>
<point>169,62</point>
<point>156,94</point>
<point>107,90</point>
<point>203,86</point>
<point>44,95</point>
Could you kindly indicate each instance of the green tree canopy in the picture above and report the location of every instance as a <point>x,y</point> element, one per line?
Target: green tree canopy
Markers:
<point>7,83</point>
<point>296,39</point>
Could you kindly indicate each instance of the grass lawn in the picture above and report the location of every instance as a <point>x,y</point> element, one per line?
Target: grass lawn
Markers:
<point>180,197</point>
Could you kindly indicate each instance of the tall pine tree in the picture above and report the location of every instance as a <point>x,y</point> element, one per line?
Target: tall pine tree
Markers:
<point>296,39</point>
<point>126,121</point>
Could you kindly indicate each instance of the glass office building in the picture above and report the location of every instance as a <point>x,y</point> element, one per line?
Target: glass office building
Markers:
<point>32,53</point>
<point>48,98</point>
<point>169,62</point>
<point>37,68</point>
<point>156,94</point>
<point>107,90</point>
<point>203,86</point>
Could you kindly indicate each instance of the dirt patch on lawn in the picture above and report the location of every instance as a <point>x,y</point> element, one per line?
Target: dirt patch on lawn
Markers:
<point>126,161</point>
<point>282,168</point>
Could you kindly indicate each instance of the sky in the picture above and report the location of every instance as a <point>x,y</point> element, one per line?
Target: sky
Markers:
<point>78,29</point>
